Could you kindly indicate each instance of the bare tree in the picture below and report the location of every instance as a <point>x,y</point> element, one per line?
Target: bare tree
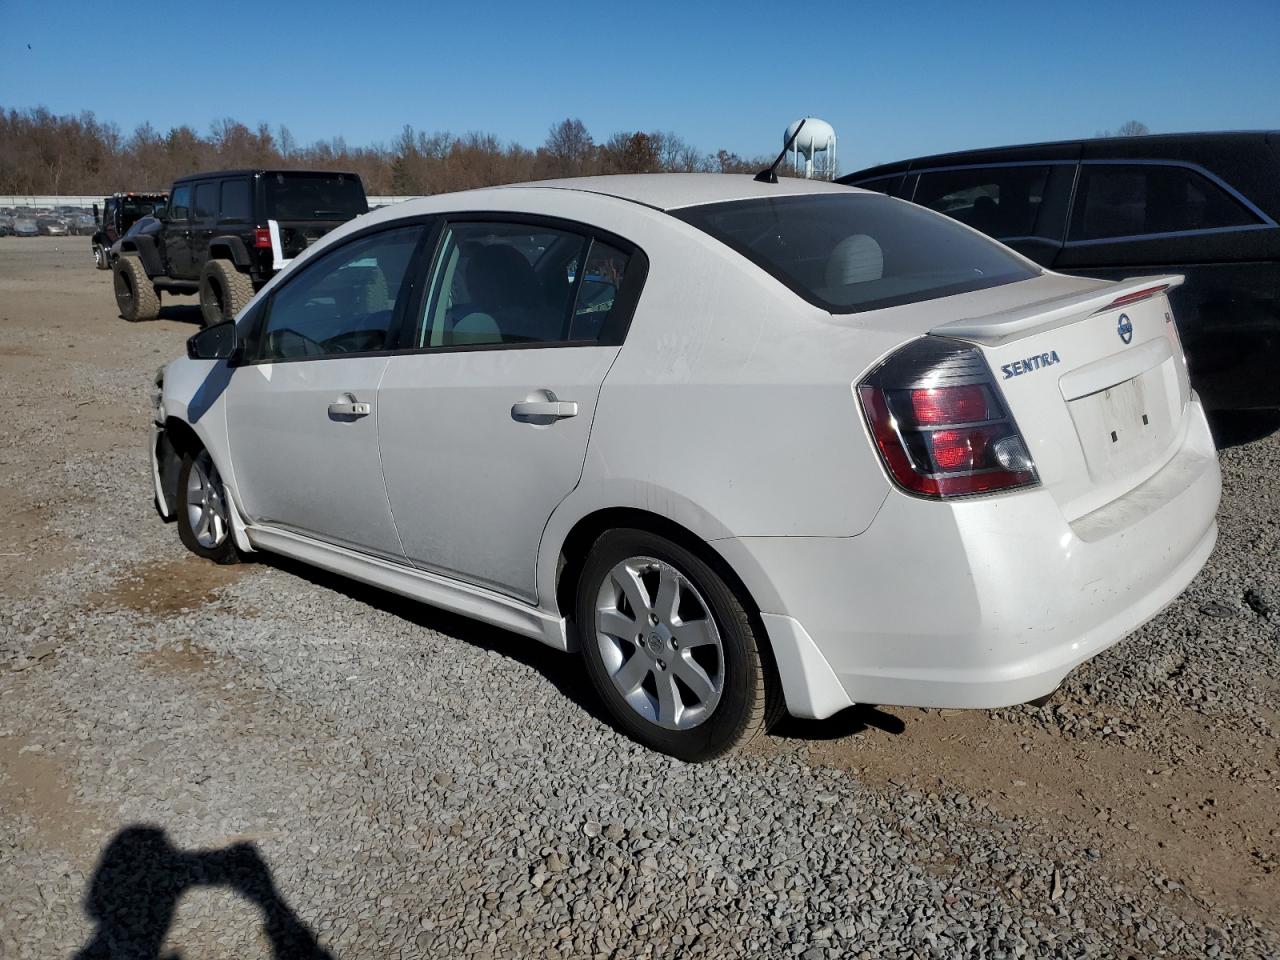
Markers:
<point>569,149</point>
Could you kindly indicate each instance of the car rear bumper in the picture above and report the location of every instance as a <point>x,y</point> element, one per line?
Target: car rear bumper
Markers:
<point>980,603</point>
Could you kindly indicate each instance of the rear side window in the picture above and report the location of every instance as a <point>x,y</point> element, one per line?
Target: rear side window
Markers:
<point>235,205</point>
<point>859,252</point>
<point>497,284</point>
<point>343,303</point>
<point>206,201</point>
<point>1136,200</point>
<point>999,201</point>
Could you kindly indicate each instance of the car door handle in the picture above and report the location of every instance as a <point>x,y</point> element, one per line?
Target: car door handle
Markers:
<point>349,407</point>
<point>543,410</point>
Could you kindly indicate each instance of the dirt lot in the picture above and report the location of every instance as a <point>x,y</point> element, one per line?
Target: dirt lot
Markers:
<point>389,781</point>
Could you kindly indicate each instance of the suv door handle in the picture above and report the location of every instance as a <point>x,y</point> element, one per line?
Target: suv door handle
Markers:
<point>535,411</point>
<point>348,407</point>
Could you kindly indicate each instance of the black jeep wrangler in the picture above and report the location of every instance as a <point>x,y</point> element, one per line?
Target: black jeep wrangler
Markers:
<point>119,212</point>
<point>223,235</point>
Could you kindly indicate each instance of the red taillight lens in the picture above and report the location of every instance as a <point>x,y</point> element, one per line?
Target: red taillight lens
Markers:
<point>939,423</point>
<point>262,238</point>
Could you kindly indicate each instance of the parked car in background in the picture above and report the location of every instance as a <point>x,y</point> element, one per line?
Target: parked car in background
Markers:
<point>1204,205</point>
<point>223,235</point>
<point>84,225</point>
<point>119,212</point>
<point>25,227</point>
<point>6,226</point>
<point>51,227</point>
<point>720,434</point>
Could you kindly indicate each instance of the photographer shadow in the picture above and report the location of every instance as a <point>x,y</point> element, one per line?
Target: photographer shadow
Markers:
<point>141,877</point>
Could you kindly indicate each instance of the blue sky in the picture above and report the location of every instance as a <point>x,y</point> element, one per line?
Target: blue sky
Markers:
<point>894,79</point>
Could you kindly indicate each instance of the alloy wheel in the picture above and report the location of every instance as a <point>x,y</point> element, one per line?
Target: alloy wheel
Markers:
<point>207,511</point>
<point>659,643</point>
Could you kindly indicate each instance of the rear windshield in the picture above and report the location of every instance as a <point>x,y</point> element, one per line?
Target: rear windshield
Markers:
<point>855,252</point>
<point>292,196</point>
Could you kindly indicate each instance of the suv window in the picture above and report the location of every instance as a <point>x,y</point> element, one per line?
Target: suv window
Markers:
<point>852,252</point>
<point>999,201</point>
<point>497,284</point>
<point>880,184</point>
<point>235,205</point>
<point>180,205</point>
<point>313,196</point>
<point>206,201</point>
<point>1134,200</point>
<point>343,303</point>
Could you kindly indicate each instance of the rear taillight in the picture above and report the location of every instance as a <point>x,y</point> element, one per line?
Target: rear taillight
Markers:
<point>262,238</point>
<point>940,424</point>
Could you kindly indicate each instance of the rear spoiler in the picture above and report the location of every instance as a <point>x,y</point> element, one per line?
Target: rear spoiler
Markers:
<point>995,329</point>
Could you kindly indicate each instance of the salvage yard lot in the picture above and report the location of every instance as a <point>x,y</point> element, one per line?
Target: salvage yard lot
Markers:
<point>420,785</point>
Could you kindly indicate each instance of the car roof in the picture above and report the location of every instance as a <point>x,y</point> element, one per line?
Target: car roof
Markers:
<point>672,191</point>
<point>1120,147</point>
<point>261,170</point>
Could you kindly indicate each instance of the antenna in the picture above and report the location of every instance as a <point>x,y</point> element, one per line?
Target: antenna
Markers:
<point>771,174</point>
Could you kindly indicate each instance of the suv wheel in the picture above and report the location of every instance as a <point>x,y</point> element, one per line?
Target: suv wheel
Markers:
<point>136,295</point>
<point>204,515</point>
<point>100,257</point>
<point>224,291</point>
<point>671,648</point>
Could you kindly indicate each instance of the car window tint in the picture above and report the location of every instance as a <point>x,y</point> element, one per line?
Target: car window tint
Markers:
<point>859,251</point>
<point>180,204</point>
<point>206,201</point>
<point>1002,202</point>
<point>597,291</point>
<point>343,303</point>
<point>235,205</point>
<point>499,283</point>
<point>1131,200</point>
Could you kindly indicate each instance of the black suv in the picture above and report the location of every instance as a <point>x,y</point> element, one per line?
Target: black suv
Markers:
<point>1201,204</point>
<point>119,212</point>
<point>223,235</point>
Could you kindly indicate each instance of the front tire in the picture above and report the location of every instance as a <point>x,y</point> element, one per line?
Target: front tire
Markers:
<point>204,510</point>
<point>671,647</point>
<point>136,295</point>
<point>100,257</point>
<point>224,291</point>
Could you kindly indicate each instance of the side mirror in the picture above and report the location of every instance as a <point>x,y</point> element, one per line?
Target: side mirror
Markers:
<point>218,342</point>
<point>96,215</point>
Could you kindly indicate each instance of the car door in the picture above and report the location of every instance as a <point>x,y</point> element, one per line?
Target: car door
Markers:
<point>1023,204</point>
<point>302,413</point>
<point>203,218</point>
<point>484,423</point>
<point>177,233</point>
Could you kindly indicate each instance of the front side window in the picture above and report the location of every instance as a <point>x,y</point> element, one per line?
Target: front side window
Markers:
<point>853,252</point>
<point>509,284</point>
<point>999,201</point>
<point>1141,199</point>
<point>343,303</point>
<point>206,201</point>
<point>180,205</point>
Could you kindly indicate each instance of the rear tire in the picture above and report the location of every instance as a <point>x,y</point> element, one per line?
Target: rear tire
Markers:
<point>671,648</point>
<point>136,295</point>
<point>224,291</point>
<point>204,509</point>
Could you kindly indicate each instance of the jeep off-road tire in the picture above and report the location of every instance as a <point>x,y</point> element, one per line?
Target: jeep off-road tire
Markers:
<point>224,291</point>
<point>100,259</point>
<point>136,295</point>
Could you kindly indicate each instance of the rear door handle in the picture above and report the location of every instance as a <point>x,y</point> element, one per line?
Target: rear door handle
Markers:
<point>543,410</point>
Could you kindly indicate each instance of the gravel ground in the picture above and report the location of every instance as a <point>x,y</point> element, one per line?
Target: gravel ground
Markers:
<point>226,761</point>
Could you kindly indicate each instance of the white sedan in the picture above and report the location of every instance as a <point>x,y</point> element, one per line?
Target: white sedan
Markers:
<point>750,447</point>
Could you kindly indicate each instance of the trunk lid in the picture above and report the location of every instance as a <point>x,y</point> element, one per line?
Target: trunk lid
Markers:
<point>1095,379</point>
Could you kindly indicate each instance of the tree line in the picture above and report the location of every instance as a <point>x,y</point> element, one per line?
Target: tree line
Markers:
<point>45,153</point>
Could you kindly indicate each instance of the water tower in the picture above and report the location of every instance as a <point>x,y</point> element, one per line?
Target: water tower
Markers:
<point>817,136</point>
